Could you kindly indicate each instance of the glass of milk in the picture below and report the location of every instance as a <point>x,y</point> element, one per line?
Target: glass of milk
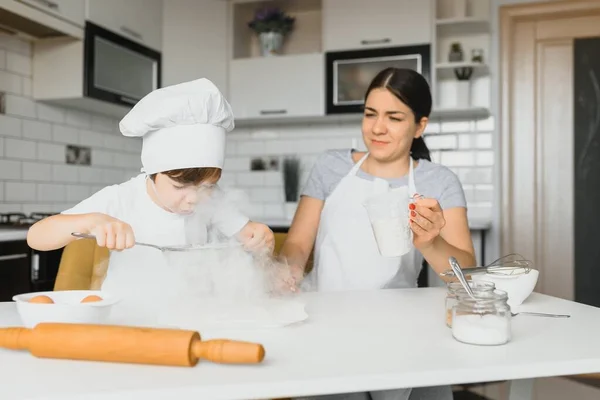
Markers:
<point>388,214</point>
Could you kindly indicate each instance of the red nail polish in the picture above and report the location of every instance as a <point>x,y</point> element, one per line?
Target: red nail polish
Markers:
<point>411,206</point>
<point>413,214</point>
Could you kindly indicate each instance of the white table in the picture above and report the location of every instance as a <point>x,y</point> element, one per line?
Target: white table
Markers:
<point>353,341</point>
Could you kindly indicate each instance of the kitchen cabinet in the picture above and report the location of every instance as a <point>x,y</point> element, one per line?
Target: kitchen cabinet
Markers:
<point>69,10</point>
<point>356,24</point>
<point>204,56</point>
<point>278,87</point>
<point>15,269</point>
<point>138,20</point>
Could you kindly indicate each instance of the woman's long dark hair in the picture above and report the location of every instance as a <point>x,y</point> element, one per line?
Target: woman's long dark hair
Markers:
<point>412,89</point>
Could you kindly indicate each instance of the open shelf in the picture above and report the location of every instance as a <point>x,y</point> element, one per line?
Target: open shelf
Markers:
<point>304,39</point>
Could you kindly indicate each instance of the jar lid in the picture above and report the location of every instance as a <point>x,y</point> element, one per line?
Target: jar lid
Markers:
<point>456,287</point>
<point>482,296</point>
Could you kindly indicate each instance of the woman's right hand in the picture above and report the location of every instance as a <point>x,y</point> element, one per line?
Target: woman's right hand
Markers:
<point>112,233</point>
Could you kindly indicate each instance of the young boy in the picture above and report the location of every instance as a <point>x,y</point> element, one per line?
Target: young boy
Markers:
<point>183,129</point>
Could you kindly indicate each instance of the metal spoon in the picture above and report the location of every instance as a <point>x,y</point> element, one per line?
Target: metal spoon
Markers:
<point>458,273</point>
<point>537,314</point>
<point>189,247</point>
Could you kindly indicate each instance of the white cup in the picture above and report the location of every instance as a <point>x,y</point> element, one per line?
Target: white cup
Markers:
<point>388,214</point>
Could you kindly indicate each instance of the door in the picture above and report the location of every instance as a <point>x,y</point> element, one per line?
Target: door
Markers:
<point>538,137</point>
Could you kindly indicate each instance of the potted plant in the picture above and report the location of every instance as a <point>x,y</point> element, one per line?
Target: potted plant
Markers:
<point>291,184</point>
<point>272,25</point>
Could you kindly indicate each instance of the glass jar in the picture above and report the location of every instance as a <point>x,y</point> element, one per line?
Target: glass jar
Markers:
<point>485,320</point>
<point>455,288</point>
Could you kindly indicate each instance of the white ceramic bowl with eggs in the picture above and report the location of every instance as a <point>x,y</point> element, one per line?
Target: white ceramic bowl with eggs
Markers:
<point>518,287</point>
<point>67,307</point>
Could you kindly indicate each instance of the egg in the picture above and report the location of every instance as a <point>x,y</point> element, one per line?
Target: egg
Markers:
<point>91,298</point>
<point>41,299</point>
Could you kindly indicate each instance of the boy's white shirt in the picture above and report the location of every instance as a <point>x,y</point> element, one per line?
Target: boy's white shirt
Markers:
<point>141,267</point>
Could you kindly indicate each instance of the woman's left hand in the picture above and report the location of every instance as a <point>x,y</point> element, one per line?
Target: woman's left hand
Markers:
<point>426,221</point>
<point>256,236</point>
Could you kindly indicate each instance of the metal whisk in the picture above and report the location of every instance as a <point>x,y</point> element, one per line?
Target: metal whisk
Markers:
<point>509,265</point>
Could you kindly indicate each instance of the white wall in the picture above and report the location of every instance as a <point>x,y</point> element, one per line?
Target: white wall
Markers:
<point>34,176</point>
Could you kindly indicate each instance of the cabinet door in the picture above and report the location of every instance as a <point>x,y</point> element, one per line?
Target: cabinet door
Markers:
<point>68,10</point>
<point>356,24</point>
<point>203,57</point>
<point>276,87</point>
<point>15,269</point>
<point>137,20</point>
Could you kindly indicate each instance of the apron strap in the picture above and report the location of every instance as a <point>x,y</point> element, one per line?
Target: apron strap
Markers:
<point>357,166</point>
<point>412,189</point>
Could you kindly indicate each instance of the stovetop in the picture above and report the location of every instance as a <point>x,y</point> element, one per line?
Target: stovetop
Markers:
<point>21,220</point>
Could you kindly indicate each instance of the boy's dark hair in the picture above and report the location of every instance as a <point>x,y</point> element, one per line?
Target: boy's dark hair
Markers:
<point>192,176</point>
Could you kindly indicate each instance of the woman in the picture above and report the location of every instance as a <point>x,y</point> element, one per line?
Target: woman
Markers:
<point>331,211</point>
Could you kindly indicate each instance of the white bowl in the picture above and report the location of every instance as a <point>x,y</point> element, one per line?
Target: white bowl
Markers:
<point>67,307</point>
<point>518,287</point>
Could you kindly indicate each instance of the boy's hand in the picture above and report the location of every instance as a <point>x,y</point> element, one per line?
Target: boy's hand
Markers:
<point>255,236</point>
<point>112,233</point>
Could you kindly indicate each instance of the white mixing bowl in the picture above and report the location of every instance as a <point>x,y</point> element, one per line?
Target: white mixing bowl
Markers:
<point>518,287</point>
<point>67,307</point>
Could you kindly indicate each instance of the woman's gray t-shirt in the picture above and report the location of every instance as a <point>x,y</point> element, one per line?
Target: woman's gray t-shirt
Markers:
<point>431,180</point>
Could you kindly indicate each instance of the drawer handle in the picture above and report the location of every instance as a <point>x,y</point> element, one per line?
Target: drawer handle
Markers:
<point>49,4</point>
<point>12,257</point>
<point>273,112</point>
<point>131,32</point>
<point>378,41</point>
<point>35,267</point>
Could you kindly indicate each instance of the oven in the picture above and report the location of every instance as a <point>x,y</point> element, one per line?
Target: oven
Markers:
<point>23,269</point>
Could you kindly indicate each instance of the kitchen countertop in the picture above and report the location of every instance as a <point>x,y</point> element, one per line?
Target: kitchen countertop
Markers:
<point>7,235</point>
<point>344,346</point>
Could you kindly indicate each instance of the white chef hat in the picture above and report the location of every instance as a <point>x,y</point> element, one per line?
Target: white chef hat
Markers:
<point>182,126</point>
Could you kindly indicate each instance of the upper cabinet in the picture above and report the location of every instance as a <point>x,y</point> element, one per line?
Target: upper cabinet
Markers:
<point>138,20</point>
<point>277,87</point>
<point>204,56</point>
<point>356,24</point>
<point>69,10</point>
<point>43,18</point>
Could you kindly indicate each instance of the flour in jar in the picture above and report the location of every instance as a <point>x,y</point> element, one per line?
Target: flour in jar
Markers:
<point>485,329</point>
<point>393,235</point>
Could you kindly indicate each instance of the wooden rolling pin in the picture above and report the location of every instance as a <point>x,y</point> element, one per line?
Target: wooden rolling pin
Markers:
<point>125,344</point>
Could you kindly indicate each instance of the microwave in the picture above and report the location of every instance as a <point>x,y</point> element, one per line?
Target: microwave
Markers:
<point>116,69</point>
<point>348,73</point>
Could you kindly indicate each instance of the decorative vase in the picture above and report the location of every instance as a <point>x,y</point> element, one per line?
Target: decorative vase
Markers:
<point>270,43</point>
<point>463,94</point>
<point>460,8</point>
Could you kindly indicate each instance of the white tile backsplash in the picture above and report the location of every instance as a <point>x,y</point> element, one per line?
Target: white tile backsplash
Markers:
<point>34,175</point>
<point>65,134</point>
<point>20,149</point>
<point>10,126</point>
<point>18,63</point>
<point>456,144</point>
<point>35,171</point>
<point>37,130</point>
<point>11,83</point>
<point>19,191</point>
<point>51,152</point>
<point>20,106</point>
